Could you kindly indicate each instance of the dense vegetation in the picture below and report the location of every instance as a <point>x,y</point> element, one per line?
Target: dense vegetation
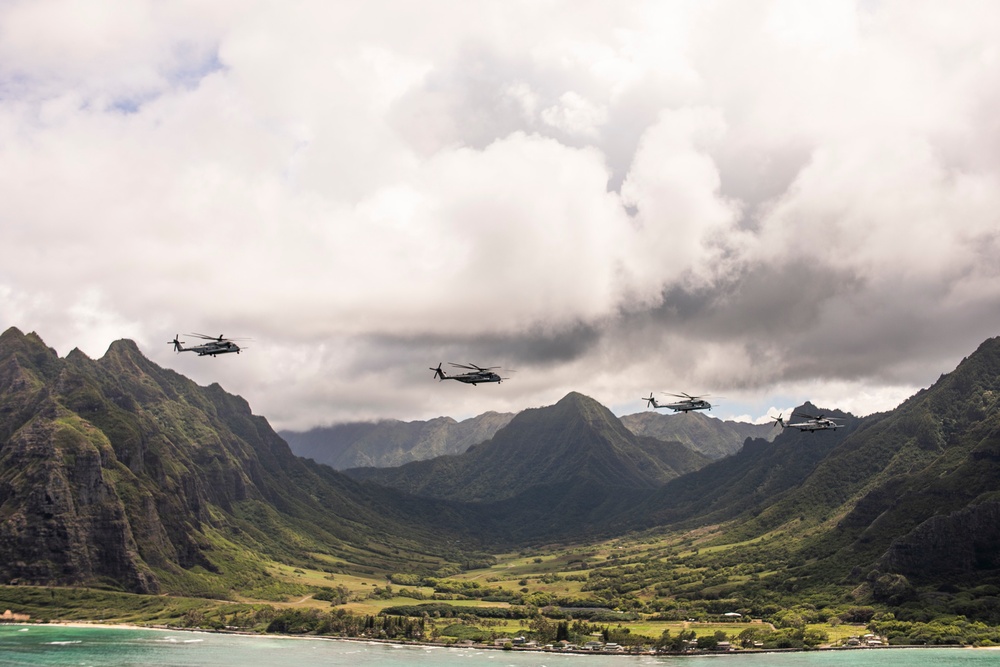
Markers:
<point>144,482</point>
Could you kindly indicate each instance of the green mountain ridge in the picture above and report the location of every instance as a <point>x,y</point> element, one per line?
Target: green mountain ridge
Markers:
<point>391,443</point>
<point>749,481</point>
<point>924,482</point>
<point>119,472</point>
<point>575,439</point>
<point>896,507</point>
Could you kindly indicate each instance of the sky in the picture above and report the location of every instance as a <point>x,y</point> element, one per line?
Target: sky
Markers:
<point>763,201</point>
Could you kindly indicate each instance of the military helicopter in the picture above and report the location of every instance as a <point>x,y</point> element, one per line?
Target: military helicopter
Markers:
<point>812,423</point>
<point>216,345</point>
<point>688,403</point>
<point>473,375</point>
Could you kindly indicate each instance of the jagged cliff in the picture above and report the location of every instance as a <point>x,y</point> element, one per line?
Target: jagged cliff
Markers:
<point>63,521</point>
<point>118,472</point>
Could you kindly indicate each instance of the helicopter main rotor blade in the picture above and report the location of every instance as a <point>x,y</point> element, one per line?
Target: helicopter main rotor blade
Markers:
<point>482,369</point>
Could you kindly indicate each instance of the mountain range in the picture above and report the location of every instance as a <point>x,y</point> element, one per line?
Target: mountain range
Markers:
<point>575,439</point>
<point>389,443</point>
<point>392,442</point>
<point>116,472</point>
<point>714,438</point>
<point>119,472</point>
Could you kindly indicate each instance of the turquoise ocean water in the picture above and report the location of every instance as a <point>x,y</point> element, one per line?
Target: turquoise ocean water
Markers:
<point>119,647</point>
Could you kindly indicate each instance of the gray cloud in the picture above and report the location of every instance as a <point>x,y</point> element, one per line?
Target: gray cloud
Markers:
<point>742,198</point>
<point>535,348</point>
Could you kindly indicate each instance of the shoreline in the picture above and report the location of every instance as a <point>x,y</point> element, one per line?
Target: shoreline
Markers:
<point>101,625</point>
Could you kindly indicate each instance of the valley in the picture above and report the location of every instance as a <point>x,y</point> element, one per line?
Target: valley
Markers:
<point>130,494</point>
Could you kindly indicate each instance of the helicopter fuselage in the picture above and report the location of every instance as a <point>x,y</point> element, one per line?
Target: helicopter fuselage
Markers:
<point>212,350</point>
<point>473,378</point>
<point>816,425</point>
<point>687,406</point>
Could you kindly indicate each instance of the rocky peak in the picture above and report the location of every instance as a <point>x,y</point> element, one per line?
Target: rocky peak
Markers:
<point>125,347</point>
<point>30,350</point>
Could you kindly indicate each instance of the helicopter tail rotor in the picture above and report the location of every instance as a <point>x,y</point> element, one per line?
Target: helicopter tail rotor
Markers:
<point>438,373</point>
<point>778,421</point>
<point>178,347</point>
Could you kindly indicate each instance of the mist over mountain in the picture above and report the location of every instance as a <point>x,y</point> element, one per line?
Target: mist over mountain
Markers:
<point>714,438</point>
<point>391,442</point>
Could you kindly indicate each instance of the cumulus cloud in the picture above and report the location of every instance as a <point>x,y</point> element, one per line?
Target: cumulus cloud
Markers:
<point>742,198</point>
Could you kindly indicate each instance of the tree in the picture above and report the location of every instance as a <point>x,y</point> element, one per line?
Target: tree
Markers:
<point>665,642</point>
<point>674,644</point>
<point>814,637</point>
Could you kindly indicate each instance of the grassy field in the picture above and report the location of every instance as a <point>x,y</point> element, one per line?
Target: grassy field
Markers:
<point>841,631</point>
<point>543,570</point>
<point>68,604</point>
<point>651,567</point>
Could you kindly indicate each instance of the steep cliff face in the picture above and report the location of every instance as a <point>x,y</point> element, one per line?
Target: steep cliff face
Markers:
<point>953,545</point>
<point>63,521</point>
<point>118,472</point>
<point>931,473</point>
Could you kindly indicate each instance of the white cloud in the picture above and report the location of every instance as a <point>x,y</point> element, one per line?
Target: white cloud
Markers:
<point>732,196</point>
<point>674,185</point>
<point>575,115</point>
